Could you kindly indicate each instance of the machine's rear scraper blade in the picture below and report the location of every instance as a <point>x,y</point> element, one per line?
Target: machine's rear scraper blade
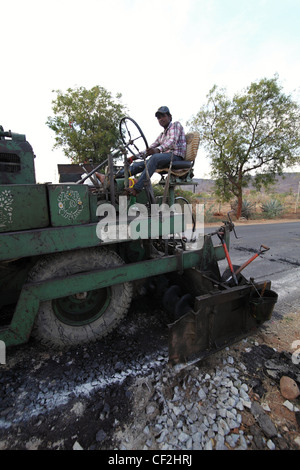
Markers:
<point>217,320</point>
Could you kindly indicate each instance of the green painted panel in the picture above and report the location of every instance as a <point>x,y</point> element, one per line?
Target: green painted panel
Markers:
<point>69,204</point>
<point>23,207</point>
<point>47,240</point>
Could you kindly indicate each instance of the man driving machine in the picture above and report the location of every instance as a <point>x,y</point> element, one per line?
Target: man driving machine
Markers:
<point>169,146</point>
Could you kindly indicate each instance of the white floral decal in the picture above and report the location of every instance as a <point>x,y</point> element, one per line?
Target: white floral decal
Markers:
<point>69,204</point>
<point>6,207</point>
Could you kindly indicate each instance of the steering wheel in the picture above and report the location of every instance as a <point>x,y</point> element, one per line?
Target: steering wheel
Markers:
<point>130,134</point>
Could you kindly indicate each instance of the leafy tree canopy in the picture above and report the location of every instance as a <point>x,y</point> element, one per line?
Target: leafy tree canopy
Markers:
<point>86,123</point>
<point>254,134</point>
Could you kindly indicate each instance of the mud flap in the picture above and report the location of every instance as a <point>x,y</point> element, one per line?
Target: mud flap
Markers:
<point>217,320</point>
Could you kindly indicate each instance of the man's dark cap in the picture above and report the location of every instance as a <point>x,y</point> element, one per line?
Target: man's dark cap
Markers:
<point>162,110</point>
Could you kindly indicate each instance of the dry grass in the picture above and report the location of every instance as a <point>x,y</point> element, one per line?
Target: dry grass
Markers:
<point>216,211</point>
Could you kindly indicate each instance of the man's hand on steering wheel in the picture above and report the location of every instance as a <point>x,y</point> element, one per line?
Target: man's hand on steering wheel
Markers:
<point>142,155</point>
<point>151,151</point>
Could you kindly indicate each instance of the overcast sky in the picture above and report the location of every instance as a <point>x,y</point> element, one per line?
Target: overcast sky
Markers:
<point>154,52</point>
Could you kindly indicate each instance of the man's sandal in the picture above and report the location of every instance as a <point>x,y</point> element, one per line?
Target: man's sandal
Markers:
<point>131,191</point>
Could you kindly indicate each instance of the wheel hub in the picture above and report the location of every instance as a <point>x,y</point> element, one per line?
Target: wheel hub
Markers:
<point>81,295</point>
<point>82,308</point>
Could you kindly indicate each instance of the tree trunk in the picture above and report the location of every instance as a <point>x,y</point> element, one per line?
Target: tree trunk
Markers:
<point>239,205</point>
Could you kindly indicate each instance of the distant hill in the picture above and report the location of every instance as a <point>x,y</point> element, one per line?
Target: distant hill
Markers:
<point>286,183</point>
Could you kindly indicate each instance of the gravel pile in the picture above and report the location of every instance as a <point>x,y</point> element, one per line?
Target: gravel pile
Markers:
<point>203,412</point>
<point>197,410</point>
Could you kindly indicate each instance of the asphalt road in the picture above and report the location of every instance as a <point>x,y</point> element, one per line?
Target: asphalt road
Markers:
<point>281,264</point>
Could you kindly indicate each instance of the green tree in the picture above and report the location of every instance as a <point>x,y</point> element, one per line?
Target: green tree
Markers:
<point>250,137</point>
<point>86,123</point>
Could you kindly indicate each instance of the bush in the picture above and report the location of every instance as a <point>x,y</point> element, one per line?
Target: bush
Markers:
<point>209,214</point>
<point>272,208</point>
<point>247,208</point>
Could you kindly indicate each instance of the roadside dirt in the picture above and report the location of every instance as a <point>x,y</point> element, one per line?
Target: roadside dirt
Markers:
<point>283,337</point>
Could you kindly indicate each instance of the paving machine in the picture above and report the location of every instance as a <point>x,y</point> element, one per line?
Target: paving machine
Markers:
<point>72,254</point>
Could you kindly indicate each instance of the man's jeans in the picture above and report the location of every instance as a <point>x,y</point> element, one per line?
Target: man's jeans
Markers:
<point>156,161</point>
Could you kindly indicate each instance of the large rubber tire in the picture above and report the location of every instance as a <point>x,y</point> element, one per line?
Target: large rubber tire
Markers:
<point>84,318</point>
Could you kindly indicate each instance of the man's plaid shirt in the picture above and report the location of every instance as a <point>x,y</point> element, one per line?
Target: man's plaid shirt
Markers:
<point>171,139</point>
